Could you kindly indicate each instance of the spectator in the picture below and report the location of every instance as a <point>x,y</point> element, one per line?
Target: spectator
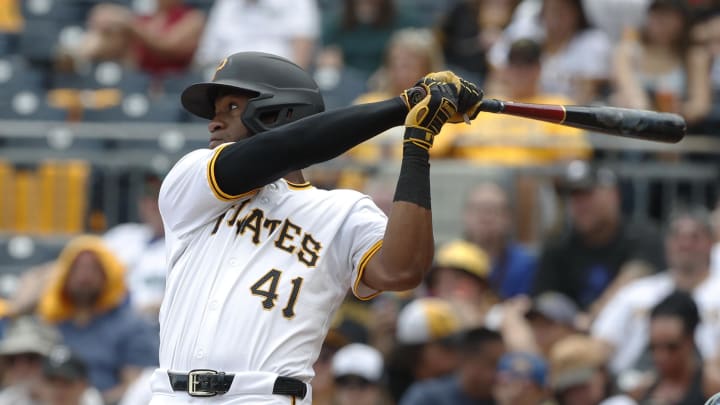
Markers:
<point>498,139</point>
<point>488,223</point>
<point>25,344</point>
<point>358,37</point>
<point>578,375</point>
<point>426,347</point>
<point>552,317</point>
<point>576,57</point>
<point>323,383</point>
<point>660,69</point>
<point>472,384</point>
<point>623,324</point>
<point>534,326</point>
<point>141,248</point>
<point>273,26</point>
<point>158,43</point>
<point>678,371</point>
<point>616,16</point>
<point>601,250</point>
<point>358,371</point>
<point>86,300</point>
<point>65,380</point>
<point>470,29</point>
<point>522,380</point>
<point>460,276</point>
<point>410,53</point>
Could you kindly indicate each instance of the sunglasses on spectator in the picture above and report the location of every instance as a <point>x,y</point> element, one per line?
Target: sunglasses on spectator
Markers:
<point>353,381</point>
<point>22,358</point>
<point>667,346</point>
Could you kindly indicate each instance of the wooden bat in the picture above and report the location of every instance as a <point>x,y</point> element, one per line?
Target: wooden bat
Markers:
<point>624,122</point>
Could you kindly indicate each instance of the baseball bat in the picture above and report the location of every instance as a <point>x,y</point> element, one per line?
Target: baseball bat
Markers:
<point>624,122</point>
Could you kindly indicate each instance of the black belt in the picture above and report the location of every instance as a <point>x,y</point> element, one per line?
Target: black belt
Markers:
<point>208,383</point>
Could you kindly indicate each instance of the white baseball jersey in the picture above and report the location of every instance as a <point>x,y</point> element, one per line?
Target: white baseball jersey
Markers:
<point>255,279</point>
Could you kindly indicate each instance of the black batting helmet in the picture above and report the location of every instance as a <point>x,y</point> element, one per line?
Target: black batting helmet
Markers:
<point>282,90</point>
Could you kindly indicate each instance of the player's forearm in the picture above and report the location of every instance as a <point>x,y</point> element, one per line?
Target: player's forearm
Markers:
<point>408,244</point>
<point>318,138</point>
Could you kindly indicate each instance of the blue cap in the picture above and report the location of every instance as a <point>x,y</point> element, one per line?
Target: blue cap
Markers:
<point>525,366</point>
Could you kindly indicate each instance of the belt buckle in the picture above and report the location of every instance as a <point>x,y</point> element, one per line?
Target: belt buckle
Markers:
<point>193,383</point>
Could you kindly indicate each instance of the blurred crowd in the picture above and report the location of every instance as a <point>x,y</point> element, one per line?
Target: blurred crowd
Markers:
<point>601,308</point>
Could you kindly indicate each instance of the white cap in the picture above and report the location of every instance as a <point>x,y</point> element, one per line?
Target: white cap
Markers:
<point>360,360</point>
<point>426,320</point>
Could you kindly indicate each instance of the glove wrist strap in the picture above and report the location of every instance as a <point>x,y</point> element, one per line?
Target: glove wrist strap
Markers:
<point>414,181</point>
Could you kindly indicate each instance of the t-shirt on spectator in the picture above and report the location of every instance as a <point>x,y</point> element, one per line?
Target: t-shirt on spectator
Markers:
<point>281,27</point>
<point>624,321</point>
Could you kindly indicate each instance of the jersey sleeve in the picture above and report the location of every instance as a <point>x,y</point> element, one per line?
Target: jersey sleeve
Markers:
<point>190,196</point>
<point>361,236</point>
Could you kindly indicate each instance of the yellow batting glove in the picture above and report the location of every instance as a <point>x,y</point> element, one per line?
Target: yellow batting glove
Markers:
<point>469,95</point>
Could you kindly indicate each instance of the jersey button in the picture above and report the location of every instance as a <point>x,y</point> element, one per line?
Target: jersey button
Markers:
<point>264,200</point>
<point>273,187</point>
<point>233,262</point>
<point>213,305</point>
<point>200,353</point>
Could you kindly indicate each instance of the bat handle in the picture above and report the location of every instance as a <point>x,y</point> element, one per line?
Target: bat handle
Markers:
<point>492,105</point>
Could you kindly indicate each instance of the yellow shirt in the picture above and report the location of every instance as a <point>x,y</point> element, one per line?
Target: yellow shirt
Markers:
<point>498,139</point>
<point>10,17</point>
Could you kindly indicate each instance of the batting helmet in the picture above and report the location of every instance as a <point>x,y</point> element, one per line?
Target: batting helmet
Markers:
<point>282,90</point>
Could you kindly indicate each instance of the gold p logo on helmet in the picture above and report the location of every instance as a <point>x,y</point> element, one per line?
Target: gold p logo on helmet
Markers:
<point>220,67</point>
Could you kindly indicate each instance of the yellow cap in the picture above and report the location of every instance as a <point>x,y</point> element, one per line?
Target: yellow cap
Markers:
<point>463,255</point>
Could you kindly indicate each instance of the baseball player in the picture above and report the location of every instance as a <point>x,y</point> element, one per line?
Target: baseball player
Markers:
<point>259,259</point>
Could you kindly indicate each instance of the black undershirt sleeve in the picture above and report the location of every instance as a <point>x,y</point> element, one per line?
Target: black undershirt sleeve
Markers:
<point>268,156</point>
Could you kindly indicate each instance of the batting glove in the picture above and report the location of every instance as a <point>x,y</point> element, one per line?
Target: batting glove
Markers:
<point>469,95</point>
<point>427,116</point>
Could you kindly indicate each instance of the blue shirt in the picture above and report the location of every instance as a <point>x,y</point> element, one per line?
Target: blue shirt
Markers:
<point>110,342</point>
<point>440,391</point>
<point>512,274</point>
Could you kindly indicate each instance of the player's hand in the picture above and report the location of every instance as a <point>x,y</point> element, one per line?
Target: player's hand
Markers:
<point>427,116</point>
<point>469,95</point>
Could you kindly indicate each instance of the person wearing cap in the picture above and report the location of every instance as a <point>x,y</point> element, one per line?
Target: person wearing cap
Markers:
<point>460,276</point>
<point>87,301</point>
<point>552,316</point>
<point>488,222</point>
<point>25,344</point>
<point>599,243</point>
<point>522,380</point>
<point>65,380</point>
<point>358,372</point>
<point>473,381</point>
<point>425,343</point>
<point>504,140</point>
<point>578,375</point>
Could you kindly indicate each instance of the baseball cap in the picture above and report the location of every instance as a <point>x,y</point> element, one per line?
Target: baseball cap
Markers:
<point>28,335</point>
<point>554,306</point>
<point>63,363</point>
<point>524,51</point>
<point>463,255</point>
<point>580,175</point>
<point>357,359</point>
<point>522,365</point>
<point>573,361</point>
<point>426,320</point>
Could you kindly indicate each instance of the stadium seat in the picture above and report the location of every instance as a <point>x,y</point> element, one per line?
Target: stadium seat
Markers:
<point>175,84</point>
<point>63,11</point>
<point>20,253</point>
<point>104,75</point>
<point>29,105</point>
<point>16,74</point>
<point>138,107</point>
<point>38,40</point>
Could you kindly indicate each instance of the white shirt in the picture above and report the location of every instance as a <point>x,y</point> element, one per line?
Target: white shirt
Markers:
<point>144,260</point>
<point>625,320</point>
<point>256,25</point>
<point>254,280</point>
<point>586,56</point>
